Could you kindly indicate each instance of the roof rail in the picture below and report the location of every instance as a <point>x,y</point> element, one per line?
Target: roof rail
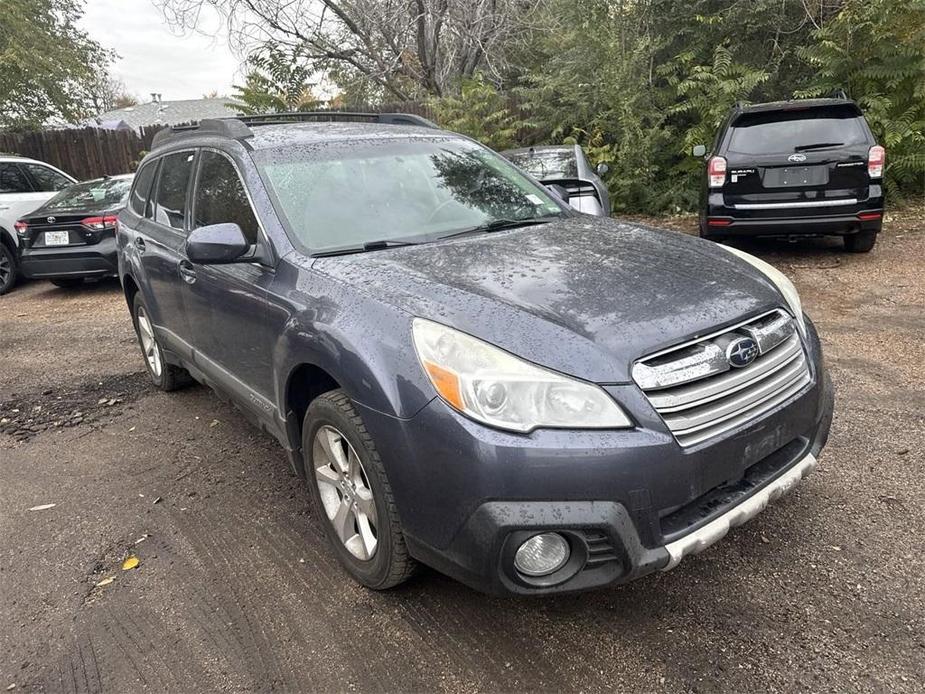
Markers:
<point>238,127</point>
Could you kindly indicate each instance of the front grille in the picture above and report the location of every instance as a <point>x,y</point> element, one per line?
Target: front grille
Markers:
<point>700,395</point>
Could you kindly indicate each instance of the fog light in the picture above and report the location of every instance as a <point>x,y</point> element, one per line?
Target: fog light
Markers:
<point>542,555</point>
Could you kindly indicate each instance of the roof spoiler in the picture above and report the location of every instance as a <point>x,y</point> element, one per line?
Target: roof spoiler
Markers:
<point>239,127</point>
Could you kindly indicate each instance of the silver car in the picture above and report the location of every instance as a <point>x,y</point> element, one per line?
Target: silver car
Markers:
<point>566,169</point>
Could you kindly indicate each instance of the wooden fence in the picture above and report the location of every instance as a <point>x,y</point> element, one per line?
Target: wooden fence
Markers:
<point>90,152</point>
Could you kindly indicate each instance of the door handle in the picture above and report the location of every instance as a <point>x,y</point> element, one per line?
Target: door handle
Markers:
<point>140,244</point>
<point>187,272</point>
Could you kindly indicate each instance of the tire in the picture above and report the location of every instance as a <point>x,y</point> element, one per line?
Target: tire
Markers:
<point>165,376</point>
<point>9,268</point>
<point>861,241</point>
<point>68,283</point>
<point>330,416</point>
<point>704,234</point>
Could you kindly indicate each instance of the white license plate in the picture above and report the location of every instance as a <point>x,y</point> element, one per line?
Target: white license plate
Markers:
<point>56,238</point>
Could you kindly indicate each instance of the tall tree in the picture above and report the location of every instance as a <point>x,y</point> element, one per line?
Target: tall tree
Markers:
<point>276,81</point>
<point>49,68</point>
<point>405,49</point>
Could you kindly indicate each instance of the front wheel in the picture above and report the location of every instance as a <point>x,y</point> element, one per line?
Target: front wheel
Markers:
<point>8,268</point>
<point>165,376</point>
<point>351,494</point>
<point>861,241</point>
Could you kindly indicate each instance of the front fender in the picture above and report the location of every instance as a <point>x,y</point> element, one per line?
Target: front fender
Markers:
<point>362,343</point>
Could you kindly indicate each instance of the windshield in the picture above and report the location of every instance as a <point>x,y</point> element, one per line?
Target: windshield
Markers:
<point>101,194</point>
<point>789,131</point>
<point>343,194</point>
<point>547,164</point>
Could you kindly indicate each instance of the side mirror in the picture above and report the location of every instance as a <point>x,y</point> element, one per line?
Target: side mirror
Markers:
<point>559,191</point>
<point>216,244</point>
<point>699,150</point>
<point>602,169</point>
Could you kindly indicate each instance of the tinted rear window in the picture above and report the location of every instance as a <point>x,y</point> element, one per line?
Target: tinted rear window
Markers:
<point>142,187</point>
<point>789,131</point>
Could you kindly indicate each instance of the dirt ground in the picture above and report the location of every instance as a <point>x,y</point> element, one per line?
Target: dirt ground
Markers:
<point>236,590</point>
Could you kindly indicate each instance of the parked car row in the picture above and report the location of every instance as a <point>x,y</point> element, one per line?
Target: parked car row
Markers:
<point>52,227</point>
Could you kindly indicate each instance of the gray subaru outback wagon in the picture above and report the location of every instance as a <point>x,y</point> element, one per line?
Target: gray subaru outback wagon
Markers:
<point>468,373</point>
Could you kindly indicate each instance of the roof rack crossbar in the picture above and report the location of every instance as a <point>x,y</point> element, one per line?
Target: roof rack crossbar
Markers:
<point>238,127</point>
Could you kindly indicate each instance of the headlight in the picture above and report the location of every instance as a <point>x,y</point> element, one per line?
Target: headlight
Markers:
<point>780,281</point>
<point>498,389</point>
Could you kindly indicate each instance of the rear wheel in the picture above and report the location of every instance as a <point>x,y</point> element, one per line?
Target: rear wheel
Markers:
<point>68,283</point>
<point>860,242</point>
<point>704,234</point>
<point>165,376</point>
<point>8,268</point>
<point>351,494</point>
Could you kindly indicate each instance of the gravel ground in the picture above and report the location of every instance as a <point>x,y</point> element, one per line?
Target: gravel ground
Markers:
<point>235,589</point>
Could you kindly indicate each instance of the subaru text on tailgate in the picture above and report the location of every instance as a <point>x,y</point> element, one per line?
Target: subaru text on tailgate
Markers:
<point>792,169</point>
<point>468,373</point>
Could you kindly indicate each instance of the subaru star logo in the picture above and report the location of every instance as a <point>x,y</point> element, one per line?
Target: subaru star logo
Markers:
<point>797,157</point>
<point>741,352</point>
<point>50,220</point>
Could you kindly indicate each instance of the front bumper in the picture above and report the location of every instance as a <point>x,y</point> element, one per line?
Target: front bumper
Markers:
<point>94,260</point>
<point>629,502</point>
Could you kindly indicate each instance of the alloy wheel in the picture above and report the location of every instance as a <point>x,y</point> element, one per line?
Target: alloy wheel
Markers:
<point>148,344</point>
<point>6,269</point>
<point>345,492</point>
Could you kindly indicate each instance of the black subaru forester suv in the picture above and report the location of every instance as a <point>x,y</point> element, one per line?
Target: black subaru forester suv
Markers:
<point>794,169</point>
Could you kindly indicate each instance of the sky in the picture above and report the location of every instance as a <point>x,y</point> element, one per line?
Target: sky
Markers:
<point>155,58</point>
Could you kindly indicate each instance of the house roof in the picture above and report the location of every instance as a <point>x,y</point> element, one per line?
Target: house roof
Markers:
<point>170,112</point>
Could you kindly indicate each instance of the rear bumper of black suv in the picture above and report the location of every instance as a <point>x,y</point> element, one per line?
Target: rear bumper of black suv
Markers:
<point>722,220</point>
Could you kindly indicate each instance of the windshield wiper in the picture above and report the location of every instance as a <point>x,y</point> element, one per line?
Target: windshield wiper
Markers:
<point>368,246</point>
<point>500,224</point>
<point>818,145</point>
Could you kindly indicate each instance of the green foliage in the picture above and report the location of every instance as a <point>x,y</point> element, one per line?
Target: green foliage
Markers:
<point>49,68</point>
<point>639,82</point>
<point>484,113</point>
<point>277,81</point>
<point>875,49</point>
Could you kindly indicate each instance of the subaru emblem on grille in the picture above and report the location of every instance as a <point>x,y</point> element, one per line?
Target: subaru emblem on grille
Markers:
<point>797,157</point>
<point>741,352</point>
<point>50,220</point>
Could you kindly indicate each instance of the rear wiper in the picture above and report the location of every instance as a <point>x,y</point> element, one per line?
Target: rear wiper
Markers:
<point>818,145</point>
<point>368,246</point>
<point>499,224</point>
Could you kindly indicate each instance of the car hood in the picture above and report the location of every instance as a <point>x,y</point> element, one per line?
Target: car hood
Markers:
<point>585,296</point>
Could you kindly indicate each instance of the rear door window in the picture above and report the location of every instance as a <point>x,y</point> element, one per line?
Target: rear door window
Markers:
<point>46,178</point>
<point>142,188</point>
<point>13,180</point>
<point>221,197</point>
<point>795,131</point>
<point>172,189</point>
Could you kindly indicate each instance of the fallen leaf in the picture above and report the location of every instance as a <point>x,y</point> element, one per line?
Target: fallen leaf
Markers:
<point>157,500</point>
<point>215,423</point>
<point>106,581</point>
<point>43,507</point>
<point>130,563</point>
<point>132,429</point>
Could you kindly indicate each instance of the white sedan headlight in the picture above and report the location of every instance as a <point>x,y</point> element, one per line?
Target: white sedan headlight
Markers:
<point>780,281</point>
<point>496,388</point>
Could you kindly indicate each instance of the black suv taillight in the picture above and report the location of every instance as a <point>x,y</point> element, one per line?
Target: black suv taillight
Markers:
<point>22,228</point>
<point>716,169</point>
<point>876,158</point>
